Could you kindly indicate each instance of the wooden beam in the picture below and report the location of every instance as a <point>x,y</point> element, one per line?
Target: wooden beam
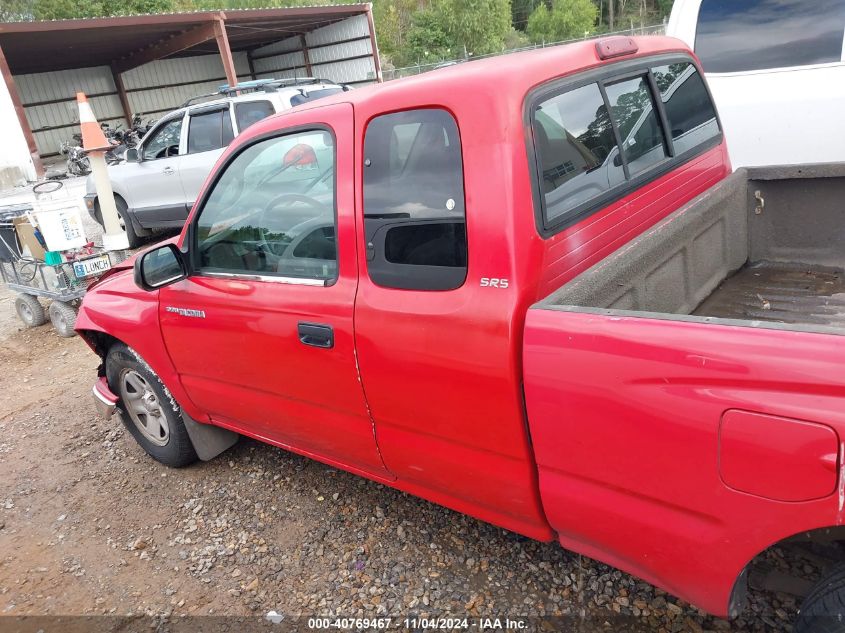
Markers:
<point>225,51</point>
<point>376,60</point>
<point>251,62</point>
<point>165,47</point>
<point>21,113</point>
<point>306,56</point>
<point>121,93</point>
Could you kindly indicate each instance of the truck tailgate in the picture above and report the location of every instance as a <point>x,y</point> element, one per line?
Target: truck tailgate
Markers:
<point>679,450</point>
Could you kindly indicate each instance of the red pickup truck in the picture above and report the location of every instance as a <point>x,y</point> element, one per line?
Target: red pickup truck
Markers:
<point>528,288</point>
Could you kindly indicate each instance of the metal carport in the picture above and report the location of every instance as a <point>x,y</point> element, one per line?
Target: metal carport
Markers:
<point>152,63</point>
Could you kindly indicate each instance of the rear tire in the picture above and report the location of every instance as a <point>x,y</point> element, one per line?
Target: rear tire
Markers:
<point>147,409</point>
<point>30,310</point>
<point>63,318</point>
<point>823,610</point>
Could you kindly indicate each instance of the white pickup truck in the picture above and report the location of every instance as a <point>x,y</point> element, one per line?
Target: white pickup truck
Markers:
<point>156,186</point>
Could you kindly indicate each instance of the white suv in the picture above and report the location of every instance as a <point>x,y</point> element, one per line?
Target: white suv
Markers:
<point>157,185</point>
<point>776,69</point>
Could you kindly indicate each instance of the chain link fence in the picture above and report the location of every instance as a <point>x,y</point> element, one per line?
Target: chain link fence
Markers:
<point>409,71</point>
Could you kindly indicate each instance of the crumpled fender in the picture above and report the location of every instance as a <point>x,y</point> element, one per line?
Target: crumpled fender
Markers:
<point>115,306</point>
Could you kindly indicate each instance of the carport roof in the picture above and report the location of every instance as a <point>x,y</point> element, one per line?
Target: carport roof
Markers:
<point>32,47</point>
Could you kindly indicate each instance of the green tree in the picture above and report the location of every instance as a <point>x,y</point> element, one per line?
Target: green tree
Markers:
<point>520,10</point>
<point>15,10</point>
<point>428,39</point>
<point>444,29</point>
<point>64,9</point>
<point>393,20</point>
<point>478,25</point>
<point>566,19</point>
<point>131,7</point>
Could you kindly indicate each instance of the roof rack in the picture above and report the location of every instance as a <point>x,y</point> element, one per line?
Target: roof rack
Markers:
<point>267,85</point>
<point>243,86</point>
<point>271,85</point>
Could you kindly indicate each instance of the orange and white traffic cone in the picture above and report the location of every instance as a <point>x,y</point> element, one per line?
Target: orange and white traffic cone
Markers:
<point>95,145</point>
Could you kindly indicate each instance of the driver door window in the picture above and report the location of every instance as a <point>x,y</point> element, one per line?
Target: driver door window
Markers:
<point>165,142</point>
<point>272,212</point>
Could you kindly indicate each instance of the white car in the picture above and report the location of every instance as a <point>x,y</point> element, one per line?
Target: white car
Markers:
<point>776,69</point>
<point>158,183</point>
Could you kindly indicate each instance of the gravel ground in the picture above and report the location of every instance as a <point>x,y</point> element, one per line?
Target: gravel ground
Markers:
<point>90,525</point>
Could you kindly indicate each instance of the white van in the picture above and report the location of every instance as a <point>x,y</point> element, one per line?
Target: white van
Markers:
<point>776,69</point>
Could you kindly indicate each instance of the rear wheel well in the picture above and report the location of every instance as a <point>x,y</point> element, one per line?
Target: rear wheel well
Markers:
<point>791,566</point>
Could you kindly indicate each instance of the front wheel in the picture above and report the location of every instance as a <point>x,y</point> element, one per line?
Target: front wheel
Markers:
<point>823,610</point>
<point>147,409</point>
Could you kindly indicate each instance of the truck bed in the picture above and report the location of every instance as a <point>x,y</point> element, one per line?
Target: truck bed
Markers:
<point>766,246</point>
<point>780,293</point>
<point>671,387</point>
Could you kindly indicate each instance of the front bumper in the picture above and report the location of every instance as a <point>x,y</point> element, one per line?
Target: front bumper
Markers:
<point>89,199</point>
<point>105,400</point>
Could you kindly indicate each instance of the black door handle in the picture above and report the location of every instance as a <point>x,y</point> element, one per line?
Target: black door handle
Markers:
<point>316,335</point>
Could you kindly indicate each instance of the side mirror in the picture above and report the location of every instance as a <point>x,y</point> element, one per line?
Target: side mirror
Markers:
<point>132,155</point>
<point>160,267</point>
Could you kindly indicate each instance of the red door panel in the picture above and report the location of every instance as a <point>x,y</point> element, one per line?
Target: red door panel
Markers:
<point>244,362</point>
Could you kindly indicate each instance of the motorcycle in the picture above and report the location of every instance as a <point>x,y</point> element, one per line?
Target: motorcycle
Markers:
<point>78,163</point>
<point>118,139</point>
<point>123,140</point>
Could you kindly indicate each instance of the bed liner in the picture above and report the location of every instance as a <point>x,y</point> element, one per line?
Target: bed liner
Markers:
<point>766,246</point>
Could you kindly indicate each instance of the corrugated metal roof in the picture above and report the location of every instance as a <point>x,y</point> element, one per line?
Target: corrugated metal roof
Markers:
<point>198,12</point>
<point>41,46</point>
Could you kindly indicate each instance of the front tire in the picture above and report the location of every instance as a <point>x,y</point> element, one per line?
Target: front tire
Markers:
<point>147,409</point>
<point>823,610</point>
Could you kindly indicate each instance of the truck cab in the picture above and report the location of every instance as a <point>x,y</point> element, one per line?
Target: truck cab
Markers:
<point>362,281</point>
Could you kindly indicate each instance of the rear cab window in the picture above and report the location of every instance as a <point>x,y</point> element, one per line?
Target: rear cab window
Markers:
<point>414,215</point>
<point>747,35</point>
<point>597,137</point>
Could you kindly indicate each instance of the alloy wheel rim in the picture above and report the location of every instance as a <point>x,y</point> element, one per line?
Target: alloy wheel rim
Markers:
<point>143,407</point>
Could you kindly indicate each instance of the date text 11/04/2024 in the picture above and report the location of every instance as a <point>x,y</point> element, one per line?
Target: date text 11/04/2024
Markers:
<point>419,624</point>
